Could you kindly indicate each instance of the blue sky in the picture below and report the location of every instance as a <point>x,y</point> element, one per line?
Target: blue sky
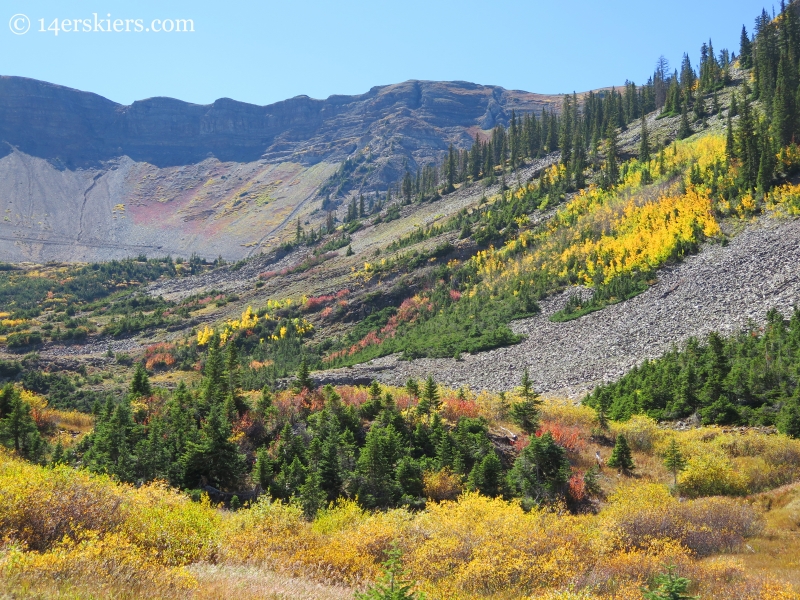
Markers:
<point>265,51</point>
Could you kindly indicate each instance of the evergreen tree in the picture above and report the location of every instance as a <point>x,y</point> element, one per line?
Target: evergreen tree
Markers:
<point>214,457</point>
<point>784,117</point>
<point>304,380</point>
<point>541,470</point>
<point>486,475</point>
<point>233,383</point>
<point>263,469</point>
<point>747,149</point>
<point>788,420</point>
<point>684,129</point>
<point>668,586</point>
<point>730,146</point>
<point>611,174</point>
<point>674,460</point>
<point>766,165</point>
<point>140,384</point>
<point>312,496</point>
<point>429,398</point>
<point>393,583</point>
<point>621,457</point>
<point>382,451</point>
<point>745,50</point>
<point>214,384</point>
<point>451,169</point>
<point>18,429</point>
<point>409,477</point>
<point>525,413</point>
<point>644,143</point>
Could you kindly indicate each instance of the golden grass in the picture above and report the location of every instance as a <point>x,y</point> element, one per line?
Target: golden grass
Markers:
<point>254,583</point>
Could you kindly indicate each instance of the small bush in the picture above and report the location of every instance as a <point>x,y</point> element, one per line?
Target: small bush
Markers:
<point>711,475</point>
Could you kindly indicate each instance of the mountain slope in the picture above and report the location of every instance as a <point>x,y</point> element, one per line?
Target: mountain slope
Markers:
<point>83,178</point>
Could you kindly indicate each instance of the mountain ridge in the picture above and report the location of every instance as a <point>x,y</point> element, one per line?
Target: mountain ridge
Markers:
<point>163,176</point>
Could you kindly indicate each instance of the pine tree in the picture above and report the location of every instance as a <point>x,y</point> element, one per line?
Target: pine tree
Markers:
<point>304,380</point>
<point>140,384</point>
<point>382,451</point>
<point>263,469</point>
<point>409,477</point>
<point>684,129</point>
<point>668,586</point>
<point>393,583</point>
<point>215,384</point>
<point>788,420</point>
<point>766,165</point>
<point>783,108</point>
<point>730,146</point>
<point>312,496</point>
<point>611,174</point>
<point>233,375</point>
<point>747,149</point>
<point>412,387</point>
<point>674,460</point>
<point>541,471</point>
<point>18,429</point>
<point>621,457</point>
<point>374,390</point>
<point>644,143</point>
<point>214,457</point>
<point>486,475</point>
<point>429,399</point>
<point>525,413</point>
<point>745,50</point>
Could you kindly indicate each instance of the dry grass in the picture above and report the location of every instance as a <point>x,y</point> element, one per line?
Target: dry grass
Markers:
<point>70,420</point>
<point>246,583</point>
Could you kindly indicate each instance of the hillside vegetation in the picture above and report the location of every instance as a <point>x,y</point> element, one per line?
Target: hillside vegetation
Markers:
<point>190,458</point>
<point>75,534</point>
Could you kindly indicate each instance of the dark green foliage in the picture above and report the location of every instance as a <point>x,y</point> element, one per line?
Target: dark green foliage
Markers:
<point>213,457</point>
<point>140,384</point>
<point>644,143</point>
<point>18,430</point>
<point>668,586</point>
<point>674,460</point>
<point>304,380</point>
<point>429,398</point>
<point>487,475</point>
<point>684,129</point>
<point>788,420</point>
<point>743,379</point>
<point>393,583</point>
<point>621,457</point>
<point>525,413</point>
<point>376,467</point>
<point>541,471</point>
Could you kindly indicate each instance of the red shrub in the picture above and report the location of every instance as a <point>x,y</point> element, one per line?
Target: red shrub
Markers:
<point>577,486</point>
<point>159,356</point>
<point>453,409</point>
<point>567,437</point>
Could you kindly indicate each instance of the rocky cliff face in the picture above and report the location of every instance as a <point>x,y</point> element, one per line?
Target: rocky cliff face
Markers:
<point>84,178</point>
<point>82,129</point>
